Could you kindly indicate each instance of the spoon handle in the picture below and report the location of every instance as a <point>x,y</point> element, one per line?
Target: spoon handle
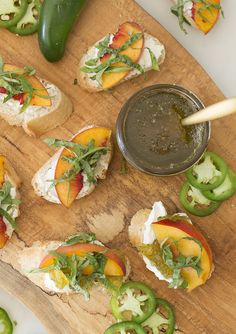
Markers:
<point>218,110</point>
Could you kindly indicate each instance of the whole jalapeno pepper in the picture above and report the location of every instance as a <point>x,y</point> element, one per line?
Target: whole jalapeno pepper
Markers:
<point>10,13</point>
<point>57,18</point>
<point>135,299</point>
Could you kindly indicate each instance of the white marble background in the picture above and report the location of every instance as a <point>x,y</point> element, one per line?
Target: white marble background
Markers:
<point>216,52</point>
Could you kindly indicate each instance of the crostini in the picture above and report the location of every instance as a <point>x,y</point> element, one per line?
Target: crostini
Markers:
<point>171,247</point>
<point>73,171</point>
<point>200,14</point>
<point>119,57</point>
<point>9,200</point>
<point>28,101</point>
<point>73,266</point>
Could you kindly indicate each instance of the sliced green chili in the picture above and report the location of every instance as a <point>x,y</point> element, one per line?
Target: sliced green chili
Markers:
<point>201,180</point>
<point>157,321</point>
<point>135,298</point>
<point>125,327</point>
<point>193,206</point>
<point>10,14</point>
<point>5,322</point>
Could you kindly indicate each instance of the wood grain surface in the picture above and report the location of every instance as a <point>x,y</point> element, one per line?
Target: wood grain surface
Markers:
<point>108,210</point>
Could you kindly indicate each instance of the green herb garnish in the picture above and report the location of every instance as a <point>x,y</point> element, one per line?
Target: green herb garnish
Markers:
<point>7,203</point>
<point>82,159</point>
<point>16,82</point>
<point>82,238</point>
<point>155,65</point>
<point>123,166</point>
<point>98,68</point>
<point>178,10</point>
<point>71,269</point>
<point>177,263</point>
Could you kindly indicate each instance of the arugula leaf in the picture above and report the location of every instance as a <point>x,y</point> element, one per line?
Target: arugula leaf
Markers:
<point>7,203</point>
<point>155,65</point>
<point>82,159</point>
<point>72,267</point>
<point>180,261</point>
<point>123,166</point>
<point>16,82</point>
<point>82,238</point>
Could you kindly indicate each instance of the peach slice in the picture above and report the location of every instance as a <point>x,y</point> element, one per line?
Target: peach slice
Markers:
<point>37,85</point>
<point>205,19</point>
<point>3,236</point>
<point>177,230</point>
<point>68,191</point>
<point>125,31</point>
<point>2,169</point>
<point>114,265</point>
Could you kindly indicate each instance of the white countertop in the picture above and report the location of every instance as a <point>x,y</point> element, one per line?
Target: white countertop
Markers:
<point>216,52</point>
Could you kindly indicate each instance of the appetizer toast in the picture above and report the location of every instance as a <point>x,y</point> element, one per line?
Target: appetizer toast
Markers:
<point>9,200</point>
<point>172,247</point>
<point>33,103</point>
<point>73,171</point>
<point>119,57</point>
<point>50,264</point>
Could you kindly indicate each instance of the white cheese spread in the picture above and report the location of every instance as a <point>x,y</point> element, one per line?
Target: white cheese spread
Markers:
<point>11,108</point>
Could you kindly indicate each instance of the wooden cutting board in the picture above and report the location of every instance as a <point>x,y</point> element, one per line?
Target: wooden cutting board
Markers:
<point>209,309</point>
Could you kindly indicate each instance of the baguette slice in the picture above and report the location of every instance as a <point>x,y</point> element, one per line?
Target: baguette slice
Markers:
<point>47,172</point>
<point>141,231</point>
<point>36,120</point>
<point>145,61</point>
<point>30,258</point>
<point>8,173</point>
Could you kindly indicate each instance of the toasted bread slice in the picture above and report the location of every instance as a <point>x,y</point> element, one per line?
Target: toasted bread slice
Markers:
<point>8,174</point>
<point>150,42</point>
<point>47,172</point>
<point>30,259</point>
<point>36,120</point>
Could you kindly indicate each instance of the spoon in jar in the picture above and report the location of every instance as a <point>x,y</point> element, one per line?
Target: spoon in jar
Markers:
<point>217,110</point>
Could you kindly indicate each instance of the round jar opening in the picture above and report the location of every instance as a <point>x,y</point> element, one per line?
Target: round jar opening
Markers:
<point>150,134</point>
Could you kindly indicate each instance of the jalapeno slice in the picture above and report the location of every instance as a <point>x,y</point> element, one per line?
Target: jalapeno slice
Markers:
<point>209,173</point>
<point>30,21</point>
<point>11,12</point>
<point>135,301</point>
<point>157,322</point>
<point>5,322</point>
<point>199,205</point>
<point>125,327</point>
<point>225,190</point>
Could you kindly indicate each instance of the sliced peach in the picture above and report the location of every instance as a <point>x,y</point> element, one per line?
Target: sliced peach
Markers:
<point>178,229</point>
<point>2,169</point>
<point>205,19</point>
<point>36,84</point>
<point>114,265</point>
<point>3,236</point>
<point>125,31</point>
<point>68,191</point>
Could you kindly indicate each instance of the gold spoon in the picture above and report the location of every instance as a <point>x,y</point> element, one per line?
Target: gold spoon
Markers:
<point>217,110</point>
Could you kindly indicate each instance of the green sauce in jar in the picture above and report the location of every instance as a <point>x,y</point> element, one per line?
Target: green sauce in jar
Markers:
<point>151,136</point>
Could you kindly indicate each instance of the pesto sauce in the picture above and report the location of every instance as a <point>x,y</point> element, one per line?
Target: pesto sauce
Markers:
<point>153,253</point>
